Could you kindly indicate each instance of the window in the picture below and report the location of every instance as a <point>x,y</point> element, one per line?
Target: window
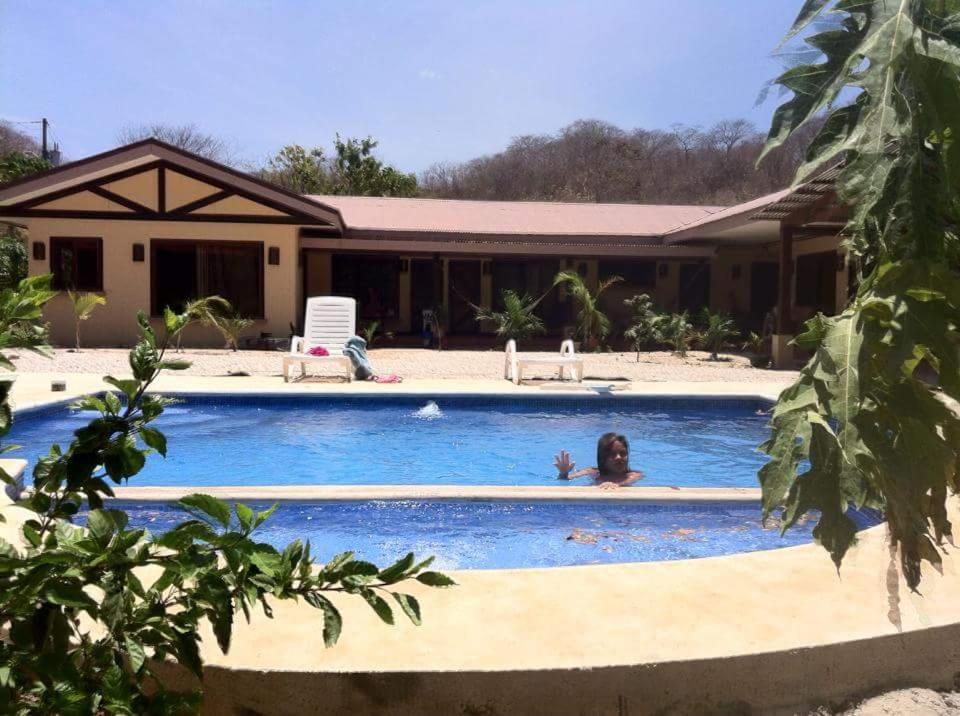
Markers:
<point>184,270</point>
<point>76,263</point>
<point>373,280</point>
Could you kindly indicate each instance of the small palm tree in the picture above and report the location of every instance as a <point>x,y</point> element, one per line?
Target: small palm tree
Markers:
<point>231,328</point>
<point>643,326</point>
<point>593,326</point>
<point>84,304</point>
<point>205,311</point>
<point>517,320</point>
<point>677,332</point>
<point>718,328</point>
<point>370,332</point>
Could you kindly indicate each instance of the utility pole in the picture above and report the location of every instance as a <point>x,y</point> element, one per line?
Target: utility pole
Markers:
<point>45,123</point>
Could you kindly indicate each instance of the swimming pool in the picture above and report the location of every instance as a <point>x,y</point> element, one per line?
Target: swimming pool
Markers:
<point>308,440</point>
<point>501,535</point>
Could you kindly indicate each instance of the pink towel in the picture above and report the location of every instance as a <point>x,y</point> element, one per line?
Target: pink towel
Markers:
<point>318,351</point>
<point>387,378</point>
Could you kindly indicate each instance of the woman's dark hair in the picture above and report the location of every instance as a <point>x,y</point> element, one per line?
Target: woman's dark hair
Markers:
<point>605,447</point>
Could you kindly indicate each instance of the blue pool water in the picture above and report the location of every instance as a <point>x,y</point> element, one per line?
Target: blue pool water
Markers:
<point>253,440</point>
<point>487,534</point>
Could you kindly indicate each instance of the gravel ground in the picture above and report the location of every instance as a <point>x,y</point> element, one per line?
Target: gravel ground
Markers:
<point>414,363</point>
<point>904,702</point>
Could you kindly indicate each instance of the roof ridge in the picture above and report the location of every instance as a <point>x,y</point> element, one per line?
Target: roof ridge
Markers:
<point>710,208</point>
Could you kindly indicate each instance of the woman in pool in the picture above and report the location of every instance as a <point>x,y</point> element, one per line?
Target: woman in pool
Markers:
<point>613,464</point>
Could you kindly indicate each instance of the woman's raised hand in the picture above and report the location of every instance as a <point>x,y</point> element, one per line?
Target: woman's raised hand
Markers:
<point>563,464</point>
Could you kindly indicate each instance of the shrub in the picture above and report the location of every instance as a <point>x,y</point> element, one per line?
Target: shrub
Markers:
<point>716,330</point>
<point>83,617</point>
<point>517,320</point>
<point>232,328</point>
<point>677,332</point>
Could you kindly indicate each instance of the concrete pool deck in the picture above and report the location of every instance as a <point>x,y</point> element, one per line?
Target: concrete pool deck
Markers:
<point>762,630</point>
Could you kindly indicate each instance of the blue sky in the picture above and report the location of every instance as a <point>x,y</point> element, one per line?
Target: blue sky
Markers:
<point>431,80</point>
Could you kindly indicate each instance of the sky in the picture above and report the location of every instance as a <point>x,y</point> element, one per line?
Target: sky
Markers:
<point>432,81</point>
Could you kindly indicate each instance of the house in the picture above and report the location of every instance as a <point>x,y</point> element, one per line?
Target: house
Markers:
<point>151,225</point>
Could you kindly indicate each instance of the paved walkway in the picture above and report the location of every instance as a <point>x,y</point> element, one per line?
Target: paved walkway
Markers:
<point>416,363</point>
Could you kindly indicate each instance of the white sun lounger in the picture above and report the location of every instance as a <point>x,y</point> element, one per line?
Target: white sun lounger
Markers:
<point>567,361</point>
<point>329,321</point>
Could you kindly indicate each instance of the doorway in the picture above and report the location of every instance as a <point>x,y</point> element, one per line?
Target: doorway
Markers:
<point>464,290</point>
<point>694,286</point>
<point>421,292</point>
<point>764,285</point>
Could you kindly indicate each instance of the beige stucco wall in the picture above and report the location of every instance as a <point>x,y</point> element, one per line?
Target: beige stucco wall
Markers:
<point>126,284</point>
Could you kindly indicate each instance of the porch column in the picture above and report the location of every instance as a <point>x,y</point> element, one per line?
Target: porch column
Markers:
<point>783,331</point>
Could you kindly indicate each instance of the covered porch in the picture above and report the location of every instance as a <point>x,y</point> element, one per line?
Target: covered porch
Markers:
<point>396,282</point>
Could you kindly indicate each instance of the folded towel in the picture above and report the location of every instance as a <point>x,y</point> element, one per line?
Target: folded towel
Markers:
<point>356,350</point>
<point>318,351</point>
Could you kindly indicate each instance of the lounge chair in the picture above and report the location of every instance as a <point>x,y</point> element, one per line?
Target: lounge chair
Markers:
<point>329,321</point>
<point>566,361</point>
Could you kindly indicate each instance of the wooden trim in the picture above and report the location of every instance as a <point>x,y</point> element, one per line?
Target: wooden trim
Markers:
<point>162,189</point>
<point>117,199</point>
<point>79,188</point>
<point>98,240</point>
<point>235,190</point>
<point>233,173</point>
<point>133,216</point>
<point>156,243</point>
<point>78,163</point>
<point>200,203</point>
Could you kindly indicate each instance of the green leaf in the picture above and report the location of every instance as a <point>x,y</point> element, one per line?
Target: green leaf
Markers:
<point>207,505</point>
<point>397,570</point>
<point>135,653</point>
<point>409,605</point>
<point>245,516</point>
<point>435,579</point>
<point>155,439</point>
<point>68,594</point>
<point>378,604</point>
<point>332,621</point>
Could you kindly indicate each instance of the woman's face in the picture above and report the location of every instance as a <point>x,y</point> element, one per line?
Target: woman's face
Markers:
<point>617,459</point>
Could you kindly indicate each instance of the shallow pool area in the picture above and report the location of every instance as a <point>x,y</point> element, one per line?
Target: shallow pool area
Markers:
<point>500,535</point>
<point>310,440</point>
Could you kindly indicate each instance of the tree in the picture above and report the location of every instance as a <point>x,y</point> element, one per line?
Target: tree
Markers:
<point>14,265</point>
<point>860,427</point>
<point>595,161</point>
<point>188,137</point>
<point>300,170</point>
<point>84,304</point>
<point>205,311</point>
<point>356,172</point>
<point>16,165</point>
<point>643,323</point>
<point>86,612</point>
<point>716,330</point>
<point>17,160</point>
<point>517,320</point>
<point>593,326</point>
<point>13,140</point>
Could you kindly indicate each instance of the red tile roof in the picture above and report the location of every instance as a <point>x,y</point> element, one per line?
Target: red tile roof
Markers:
<point>522,218</point>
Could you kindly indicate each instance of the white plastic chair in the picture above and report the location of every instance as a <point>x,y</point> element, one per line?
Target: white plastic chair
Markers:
<point>566,362</point>
<point>328,321</point>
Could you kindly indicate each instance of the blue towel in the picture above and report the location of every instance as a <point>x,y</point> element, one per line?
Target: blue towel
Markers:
<point>356,350</point>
